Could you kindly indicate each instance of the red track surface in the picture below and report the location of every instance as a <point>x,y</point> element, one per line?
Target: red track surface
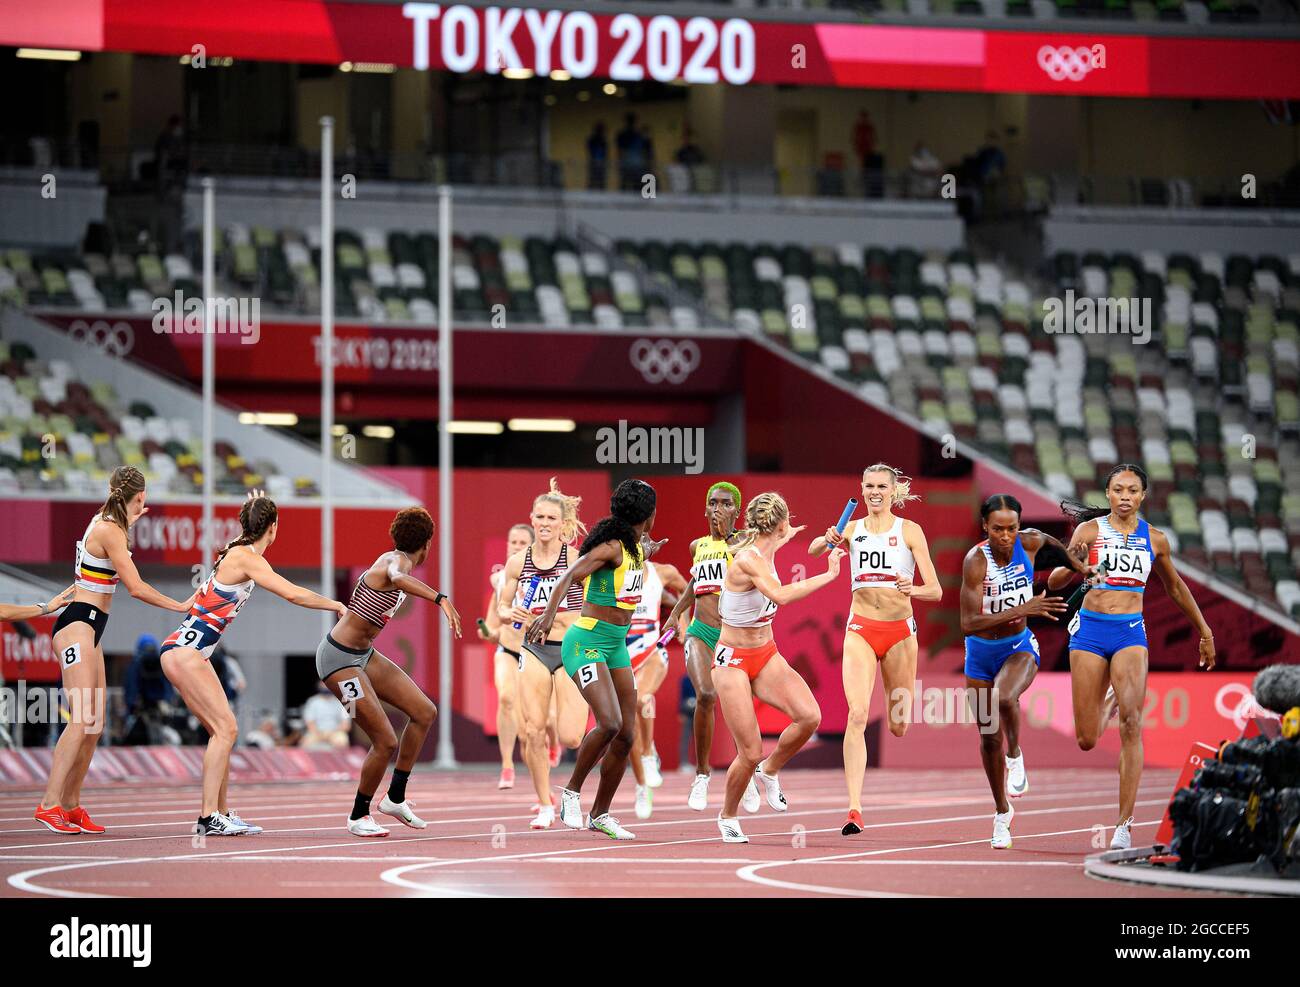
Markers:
<point>928,834</point>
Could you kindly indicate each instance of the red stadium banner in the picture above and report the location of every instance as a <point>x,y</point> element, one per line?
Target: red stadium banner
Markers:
<point>30,659</point>
<point>628,47</point>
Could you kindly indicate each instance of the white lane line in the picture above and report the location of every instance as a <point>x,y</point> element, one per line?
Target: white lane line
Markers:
<point>750,873</point>
<point>23,881</point>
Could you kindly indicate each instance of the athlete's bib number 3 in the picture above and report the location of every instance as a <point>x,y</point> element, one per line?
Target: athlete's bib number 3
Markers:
<point>350,690</point>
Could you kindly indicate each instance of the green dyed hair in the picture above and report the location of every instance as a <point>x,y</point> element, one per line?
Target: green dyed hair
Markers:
<point>731,488</point>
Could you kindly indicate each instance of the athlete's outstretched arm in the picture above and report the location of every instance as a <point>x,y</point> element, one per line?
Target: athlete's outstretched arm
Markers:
<point>399,574</point>
<point>609,553</point>
<point>930,590</point>
<point>113,539</point>
<point>1077,552</point>
<point>506,608</point>
<point>1181,595</point>
<point>684,603</point>
<point>260,572</point>
<point>766,583</point>
<point>973,621</point>
<point>57,602</point>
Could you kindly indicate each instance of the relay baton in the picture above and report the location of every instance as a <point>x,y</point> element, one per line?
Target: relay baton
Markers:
<point>664,640</point>
<point>843,522</point>
<point>528,597</point>
<point>1078,595</point>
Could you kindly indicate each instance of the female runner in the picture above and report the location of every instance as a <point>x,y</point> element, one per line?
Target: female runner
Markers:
<point>611,566</point>
<point>649,668</point>
<point>710,557</point>
<point>505,662</point>
<point>747,664</point>
<point>555,524</point>
<point>362,679</point>
<point>185,653</point>
<point>884,553</point>
<point>997,600</point>
<point>1108,641</point>
<point>103,560</point>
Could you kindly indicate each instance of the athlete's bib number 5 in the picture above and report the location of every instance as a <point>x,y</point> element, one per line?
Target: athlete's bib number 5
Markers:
<point>587,675</point>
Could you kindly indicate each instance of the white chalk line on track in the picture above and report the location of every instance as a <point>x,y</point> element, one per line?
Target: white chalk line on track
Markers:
<point>750,871</point>
<point>24,881</point>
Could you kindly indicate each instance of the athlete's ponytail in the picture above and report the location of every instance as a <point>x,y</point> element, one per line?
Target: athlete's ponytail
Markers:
<point>570,526</point>
<point>255,517</point>
<point>763,516</point>
<point>902,484</point>
<point>1078,512</point>
<point>123,485</point>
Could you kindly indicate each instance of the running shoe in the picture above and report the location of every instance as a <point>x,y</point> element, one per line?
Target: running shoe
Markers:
<point>56,820</point>
<point>607,824</point>
<point>221,825</point>
<point>1017,780</point>
<point>699,797</point>
<point>1002,829</point>
<point>544,819</point>
<point>643,801</point>
<point>401,811</point>
<point>536,806</point>
<point>731,831</point>
<point>507,779</point>
<point>570,809</point>
<point>366,827</point>
<point>556,752</point>
<point>750,801</point>
<point>81,819</point>
<point>234,817</point>
<point>853,825</point>
<point>650,765</point>
<point>774,797</point>
<point>1123,838</point>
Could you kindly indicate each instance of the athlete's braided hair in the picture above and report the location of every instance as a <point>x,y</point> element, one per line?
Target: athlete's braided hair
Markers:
<point>570,526</point>
<point>902,484</point>
<point>255,517</point>
<point>1078,512</point>
<point>633,501</point>
<point>763,516</point>
<point>123,485</point>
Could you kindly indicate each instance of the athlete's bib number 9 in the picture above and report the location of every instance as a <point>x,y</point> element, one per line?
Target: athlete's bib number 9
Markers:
<point>189,638</point>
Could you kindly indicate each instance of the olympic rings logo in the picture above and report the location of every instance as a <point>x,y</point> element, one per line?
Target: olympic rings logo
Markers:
<point>1065,62</point>
<point>665,360</point>
<point>1236,702</point>
<point>117,339</point>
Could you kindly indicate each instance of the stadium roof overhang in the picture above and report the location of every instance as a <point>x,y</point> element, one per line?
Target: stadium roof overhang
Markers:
<point>521,42</point>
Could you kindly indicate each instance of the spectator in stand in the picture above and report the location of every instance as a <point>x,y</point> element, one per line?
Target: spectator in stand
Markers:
<point>146,693</point>
<point>689,154</point>
<point>326,723</point>
<point>990,164</point>
<point>266,736</point>
<point>597,157</point>
<point>171,158</point>
<point>924,170</point>
<point>872,164</point>
<point>632,149</point>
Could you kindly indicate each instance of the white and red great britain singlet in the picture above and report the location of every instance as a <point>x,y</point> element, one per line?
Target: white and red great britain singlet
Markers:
<point>878,560</point>
<point>546,586</point>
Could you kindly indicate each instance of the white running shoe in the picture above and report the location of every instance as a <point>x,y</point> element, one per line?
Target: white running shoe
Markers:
<point>1002,828</point>
<point>731,831</point>
<point>570,809</point>
<point>774,797</point>
<point>608,825</point>
<point>401,811</point>
<point>544,819</point>
<point>650,766</point>
<point>699,797</point>
<point>253,828</point>
<point>1017,780</point>
<point>643,802</point>
<point>1123,838</point>
<point>366,827</point>
<point>750,801</point>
